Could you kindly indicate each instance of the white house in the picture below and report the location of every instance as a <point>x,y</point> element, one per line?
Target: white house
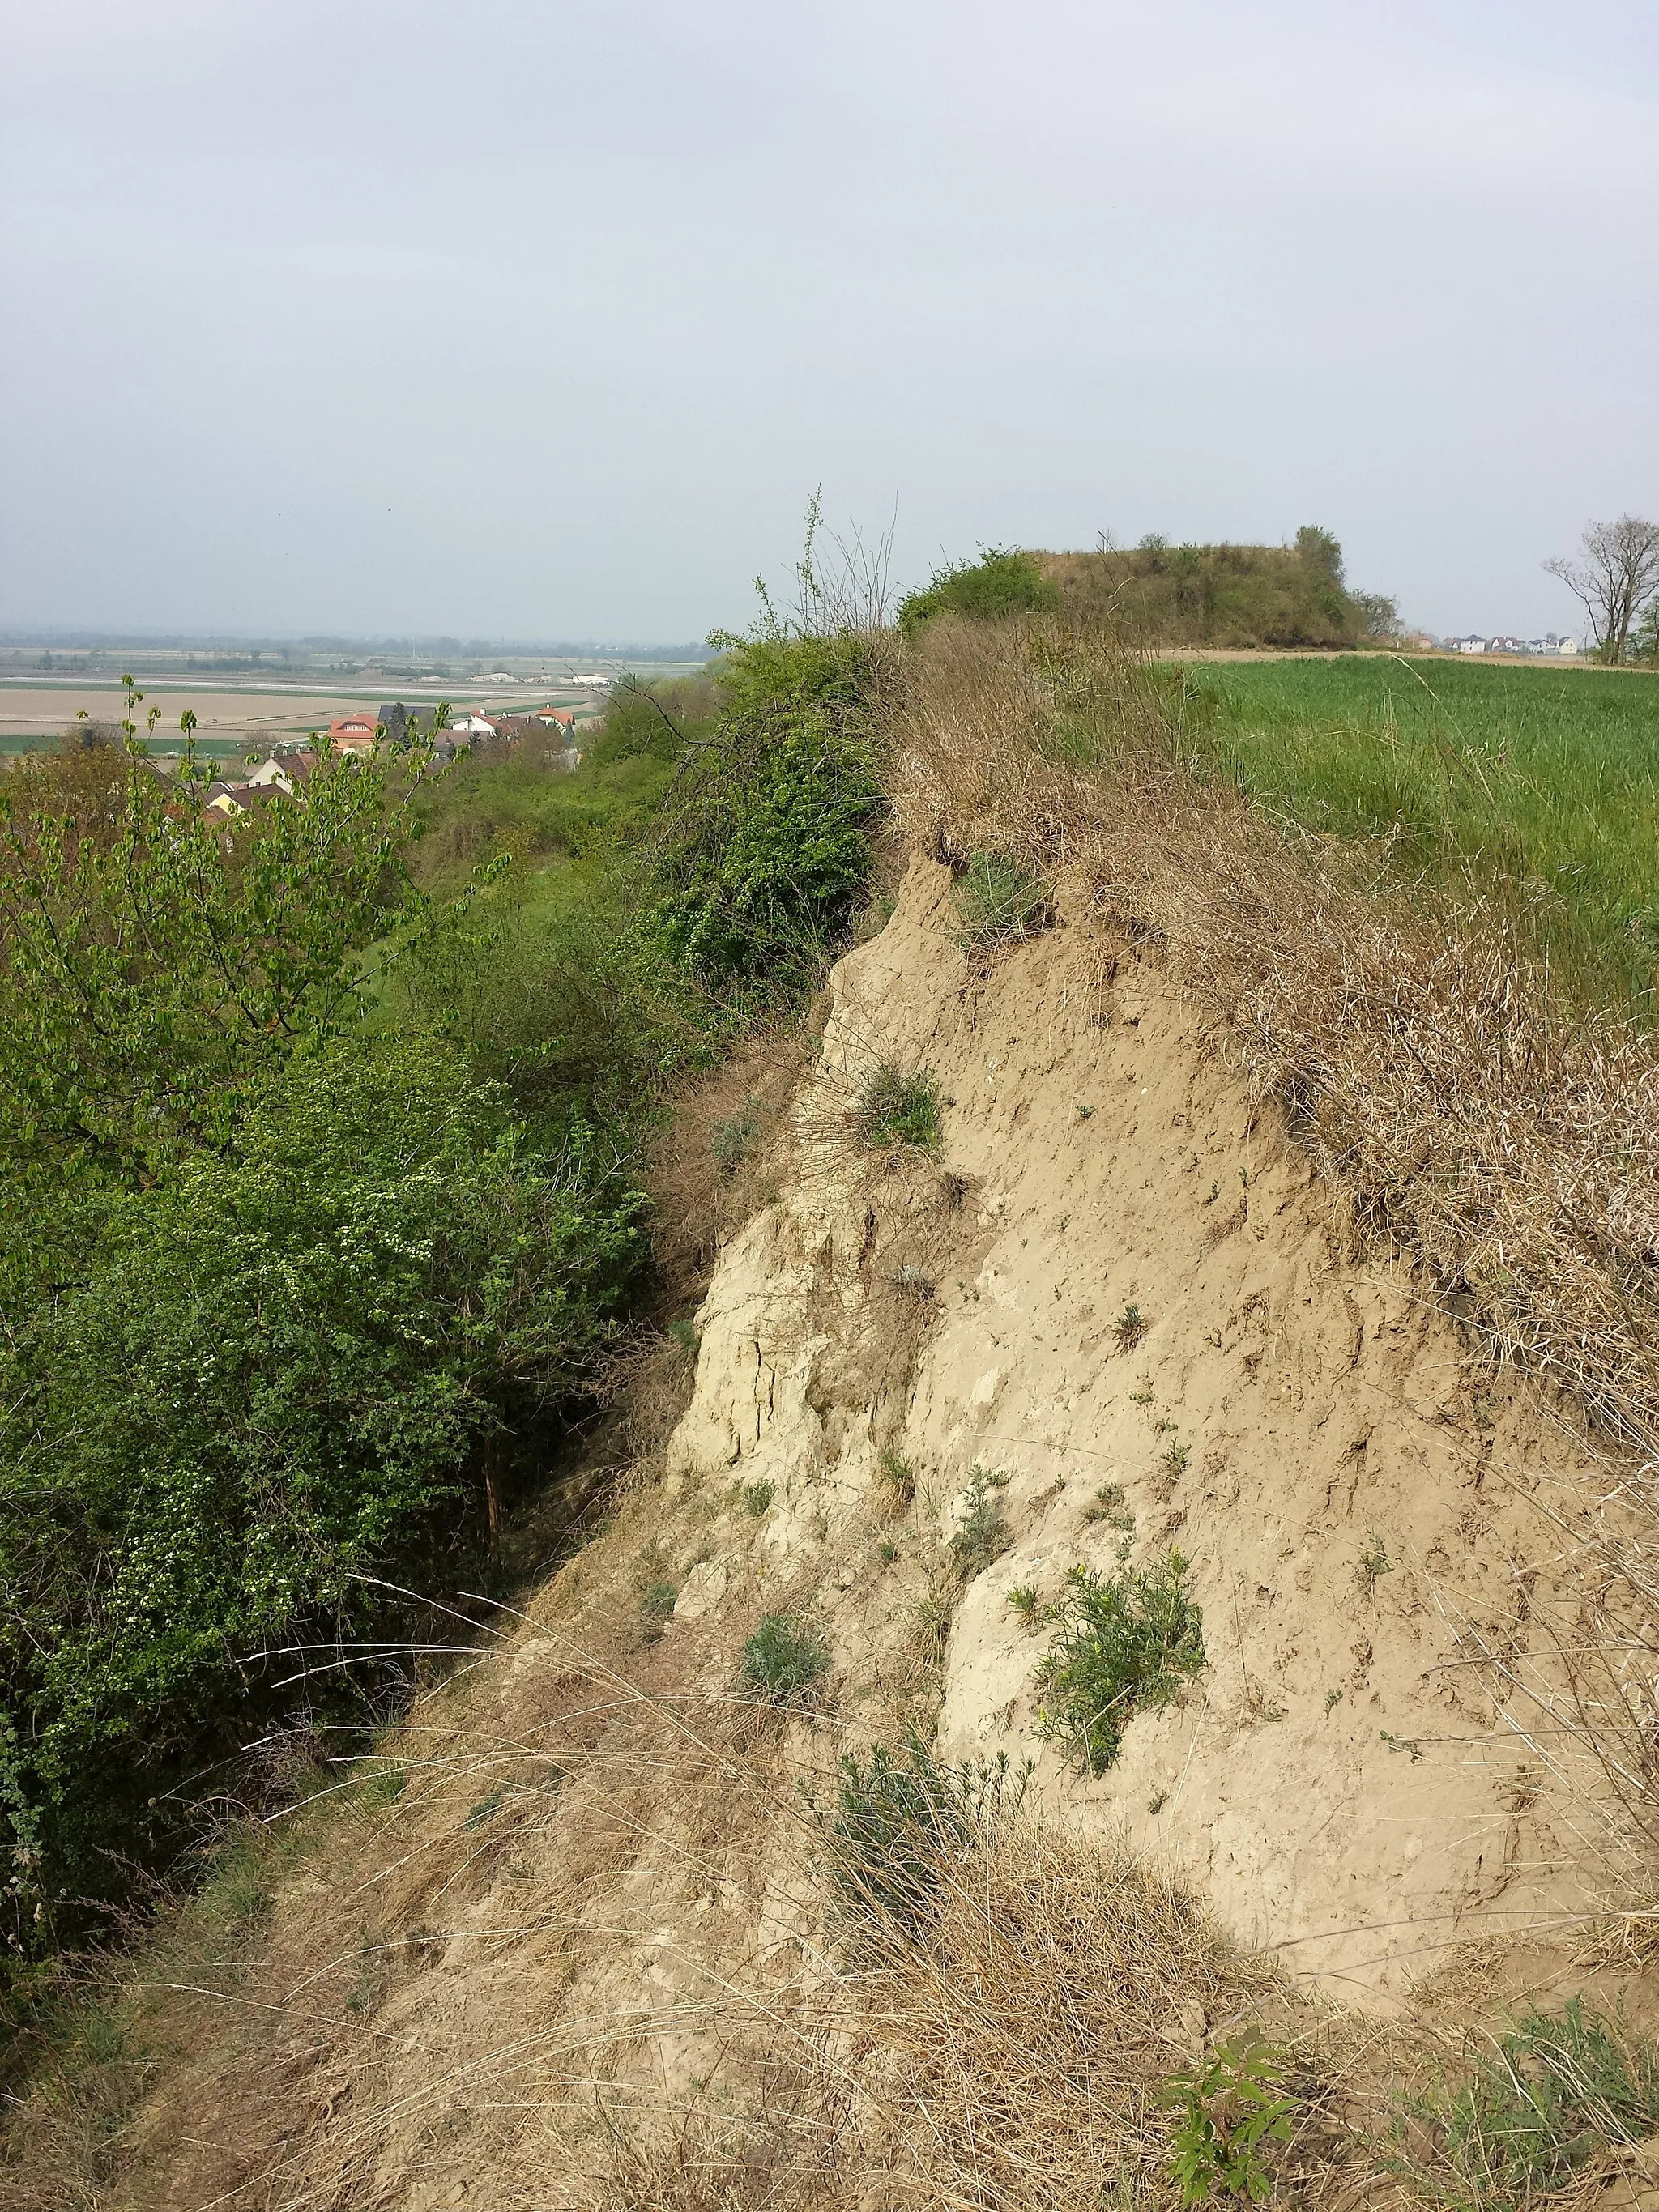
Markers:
<point>472,726</point>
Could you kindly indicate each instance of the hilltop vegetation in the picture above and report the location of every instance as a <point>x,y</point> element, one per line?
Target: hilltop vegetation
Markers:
<point>1157,594</point>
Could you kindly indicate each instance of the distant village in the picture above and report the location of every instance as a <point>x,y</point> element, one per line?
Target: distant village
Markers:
<point>1545,648</point>
<point>288,768</point>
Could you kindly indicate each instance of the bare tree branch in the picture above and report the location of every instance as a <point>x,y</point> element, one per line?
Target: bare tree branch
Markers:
<point>1615,576</point>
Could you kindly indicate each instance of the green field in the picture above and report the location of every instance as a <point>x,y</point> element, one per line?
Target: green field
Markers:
<point>1536,788</point>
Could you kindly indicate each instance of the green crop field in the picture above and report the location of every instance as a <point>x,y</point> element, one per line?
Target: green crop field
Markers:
<point>1536,788</point>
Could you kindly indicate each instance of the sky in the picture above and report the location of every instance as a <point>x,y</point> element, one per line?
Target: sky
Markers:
<point>545,318</point>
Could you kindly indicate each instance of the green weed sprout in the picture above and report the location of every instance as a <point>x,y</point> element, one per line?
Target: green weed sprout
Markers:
<point>898,1112</point>
<point>1124,1643</point>
<point>999,901</point>
<point>901,1816</point>
<point>982,1533</point>
<point>1233,2108</point>
<point>898,1476</point>
<point>1025,1602</point>
<point>1556,2091</point>
<point>1129,1328</point>
<point>758,1497</point>
<point>783,1661</point>
<point>657,1602</point>
<point>733,1140</point>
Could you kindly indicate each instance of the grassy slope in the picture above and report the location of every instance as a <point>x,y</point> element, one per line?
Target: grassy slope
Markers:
<point>1540,788</point>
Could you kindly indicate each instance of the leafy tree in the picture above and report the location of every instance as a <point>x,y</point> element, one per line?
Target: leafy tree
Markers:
<point>150,972</point>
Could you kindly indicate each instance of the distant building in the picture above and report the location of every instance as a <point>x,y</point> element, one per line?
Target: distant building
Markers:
<point>472,726</point>
<point>353,733</point>
<point>1466,644</point>
<point>562,718</point>
<point>285,771</point>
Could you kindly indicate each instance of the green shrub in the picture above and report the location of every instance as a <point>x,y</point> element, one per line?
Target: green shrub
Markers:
<point>1000,583</point>
<point>901,1818</point>
<point>981,1534</point>
<point>1123,1645</point>
<point>269,1373</point>
<point>1233,2106</point>
<point>1556,2091</point>
<point>765,850</point>
<point>783,1661</point>
<point>998,900</point>
<point>757,1497</point>
<point>733,1140</point>
<point>895,1111</point>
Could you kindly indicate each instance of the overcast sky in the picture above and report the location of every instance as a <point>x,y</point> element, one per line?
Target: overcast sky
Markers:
<point>543,318</point>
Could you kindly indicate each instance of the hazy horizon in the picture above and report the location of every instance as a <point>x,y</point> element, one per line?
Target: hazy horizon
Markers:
<point>542,321</point>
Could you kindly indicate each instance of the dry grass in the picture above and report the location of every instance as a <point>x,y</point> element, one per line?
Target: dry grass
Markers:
<point>1428,1064</point>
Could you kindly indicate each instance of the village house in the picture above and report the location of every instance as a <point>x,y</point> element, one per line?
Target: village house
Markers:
<point>286,770</point>
<point>354,733</point>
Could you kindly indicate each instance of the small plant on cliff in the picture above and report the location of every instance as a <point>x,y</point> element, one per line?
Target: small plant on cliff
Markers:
<point>783,1661</point>
<point>901,1816</point>
<point>981,1534</point>
<point>1233,2106</point>
<point>734,1140</point>
<point>1129,1328</point>
<point>657,1602</point>
<point>895,1111</point>
<point>1123,1645</point>
<point>898,1476</point>
<point>999,901</point>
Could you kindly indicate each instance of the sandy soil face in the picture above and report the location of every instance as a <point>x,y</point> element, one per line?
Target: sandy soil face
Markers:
<point>1351,1488</point>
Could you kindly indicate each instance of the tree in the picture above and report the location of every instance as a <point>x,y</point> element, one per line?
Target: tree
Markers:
<point>1616,575</point>
<point>155,961</point>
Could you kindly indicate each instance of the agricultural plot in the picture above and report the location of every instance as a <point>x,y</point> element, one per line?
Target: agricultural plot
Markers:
<point>1536,789</point>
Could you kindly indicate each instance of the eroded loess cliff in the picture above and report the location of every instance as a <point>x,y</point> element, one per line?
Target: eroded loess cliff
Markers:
<point>590,1954</point>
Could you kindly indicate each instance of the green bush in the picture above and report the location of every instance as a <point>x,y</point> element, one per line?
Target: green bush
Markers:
<point>981,1535</point>
<point>765,851</point>
<point>783,1661</point>
<point>998,584</point>
<point>734,1139</point>
<point>1123,1645</point>
<point>303,1359</point>
<point>1556,2091</point>
<point>901,1818</point>
<point>998,900</point>
<point>894,1110</point>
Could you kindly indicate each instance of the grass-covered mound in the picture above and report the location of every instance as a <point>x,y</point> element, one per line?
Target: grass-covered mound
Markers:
<point>1157,594</point>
